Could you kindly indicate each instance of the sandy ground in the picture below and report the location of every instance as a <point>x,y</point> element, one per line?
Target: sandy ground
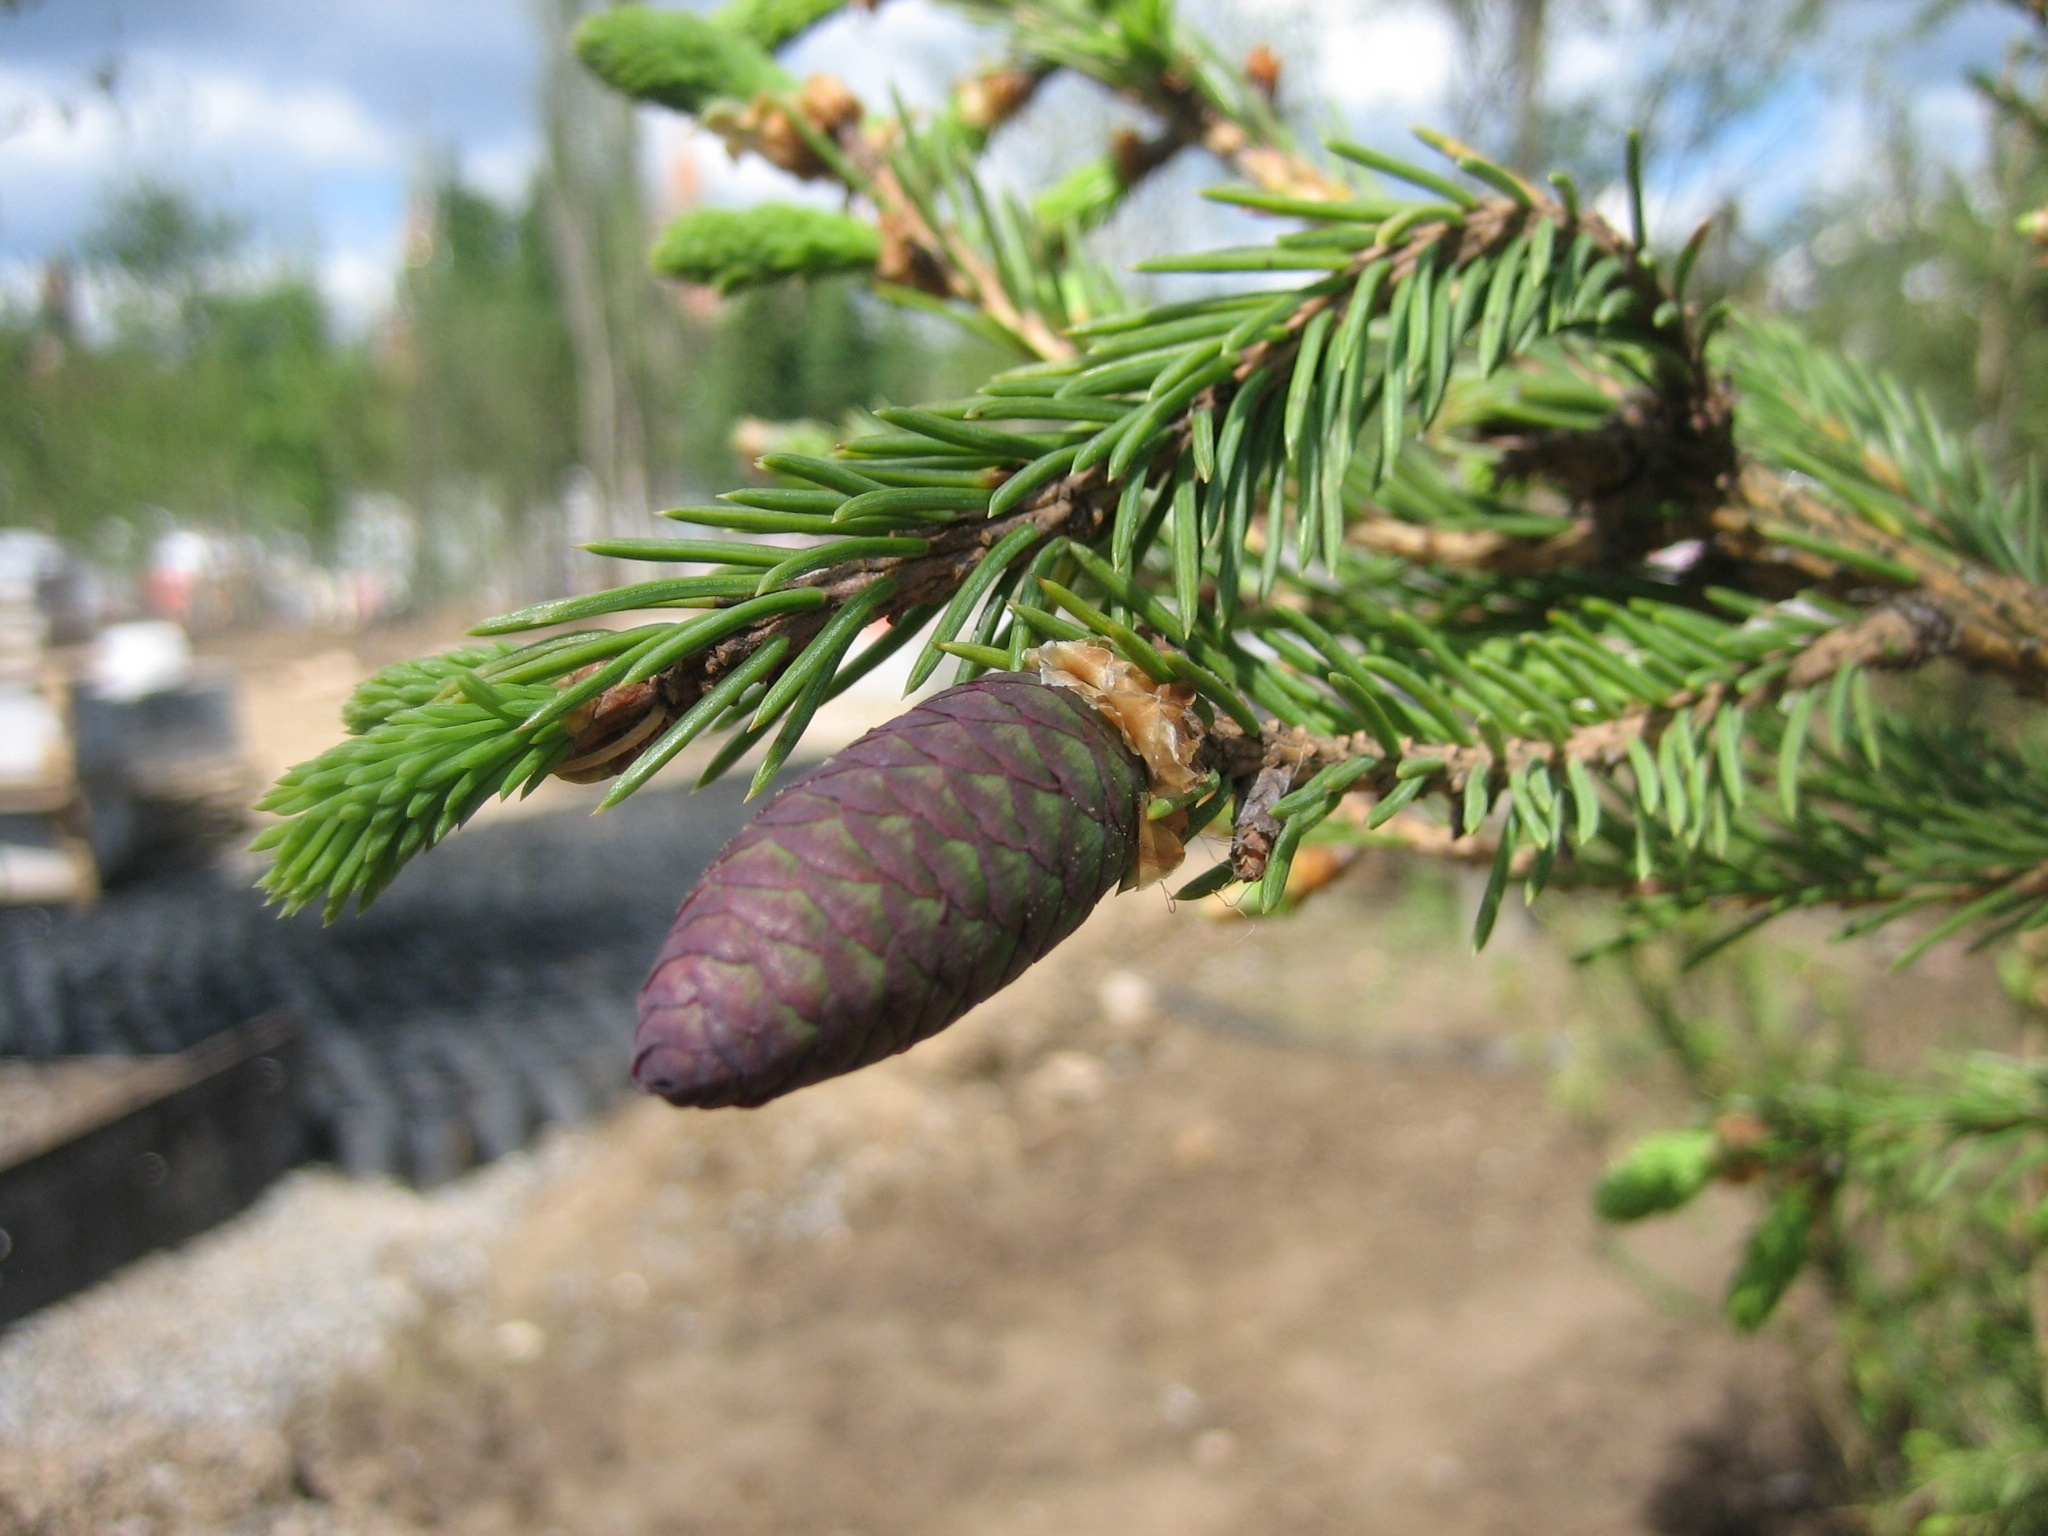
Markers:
<point>1204,1227</point>
<point>1154,1242</point>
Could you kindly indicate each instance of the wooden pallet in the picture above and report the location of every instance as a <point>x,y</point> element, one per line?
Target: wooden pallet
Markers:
<point>192,1145</point>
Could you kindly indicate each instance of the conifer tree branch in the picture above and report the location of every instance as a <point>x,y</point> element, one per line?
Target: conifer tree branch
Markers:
<point>1269,496</point>
<point>1455,242</point>
<point>1987,619</point>
<point>1113,431</point>
<point>1758,676</point>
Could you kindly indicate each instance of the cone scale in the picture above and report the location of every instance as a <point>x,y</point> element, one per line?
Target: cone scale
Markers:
<point>885,893</point>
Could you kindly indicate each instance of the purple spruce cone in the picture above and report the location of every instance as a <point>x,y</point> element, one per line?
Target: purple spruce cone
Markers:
<point>889,890</point>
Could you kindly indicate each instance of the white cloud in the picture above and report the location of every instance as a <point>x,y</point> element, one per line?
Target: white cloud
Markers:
<point>319,126</point>
<point>1582,63</point>
<point>305,161</point>
<point>1399,58</point>
<point>42,134</point>
<point>357,284</point>
<point>504,167</point>
<point>311,117</point>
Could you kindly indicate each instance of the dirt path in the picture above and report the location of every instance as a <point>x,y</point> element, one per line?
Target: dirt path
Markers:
<point>1081,1267</point>
<point>1204,1227</point>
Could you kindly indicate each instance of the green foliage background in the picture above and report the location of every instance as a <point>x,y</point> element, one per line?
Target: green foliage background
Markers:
<point>220,395</point>
<point>223,395</point>
<point>230,405</point>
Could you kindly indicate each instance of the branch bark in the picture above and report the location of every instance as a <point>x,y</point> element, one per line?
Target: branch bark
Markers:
<point>1989,620</point>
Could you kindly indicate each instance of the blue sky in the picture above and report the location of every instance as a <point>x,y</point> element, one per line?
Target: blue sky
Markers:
<point>312,117</point>
<point>309,117</point>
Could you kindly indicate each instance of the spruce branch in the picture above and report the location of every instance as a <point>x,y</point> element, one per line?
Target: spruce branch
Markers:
<point>1828,472</point>
<point>1609,756</point>
<point>1954,1155</point>
<point>2002,95</point>
<point>1312,508</point>
<point>1196,416</point>
<point>775,23</point>
<point>1853,436</point>
<point>1986,618</point>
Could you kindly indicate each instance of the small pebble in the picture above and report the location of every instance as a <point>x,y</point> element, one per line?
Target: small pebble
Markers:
<point>1180,1405</point>
<point>1215,1449</point>
<point>1067,1080</point>
<point>521,1341</point>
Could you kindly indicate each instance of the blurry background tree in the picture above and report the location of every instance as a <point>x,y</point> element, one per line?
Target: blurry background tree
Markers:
<point>1920,265</point>
<point>483,373</point>
<point>528,353</point>
<point>802,353</point>
<point>1692,69</point>
<point>1927,269</point>
<point>217,393</point>
<point>167,376</point>
<point>591,202</point>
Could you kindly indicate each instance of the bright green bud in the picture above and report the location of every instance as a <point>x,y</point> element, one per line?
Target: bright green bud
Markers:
<point>677,58</point>
<point>1084,197</point>
<point>739,247</point>
<point>771,23</point>
<point>1660,1173</point>
<point>406,684</point>
<point>1773,1259</point>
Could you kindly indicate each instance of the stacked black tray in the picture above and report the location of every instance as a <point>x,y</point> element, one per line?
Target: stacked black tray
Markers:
<point>488,993</point>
